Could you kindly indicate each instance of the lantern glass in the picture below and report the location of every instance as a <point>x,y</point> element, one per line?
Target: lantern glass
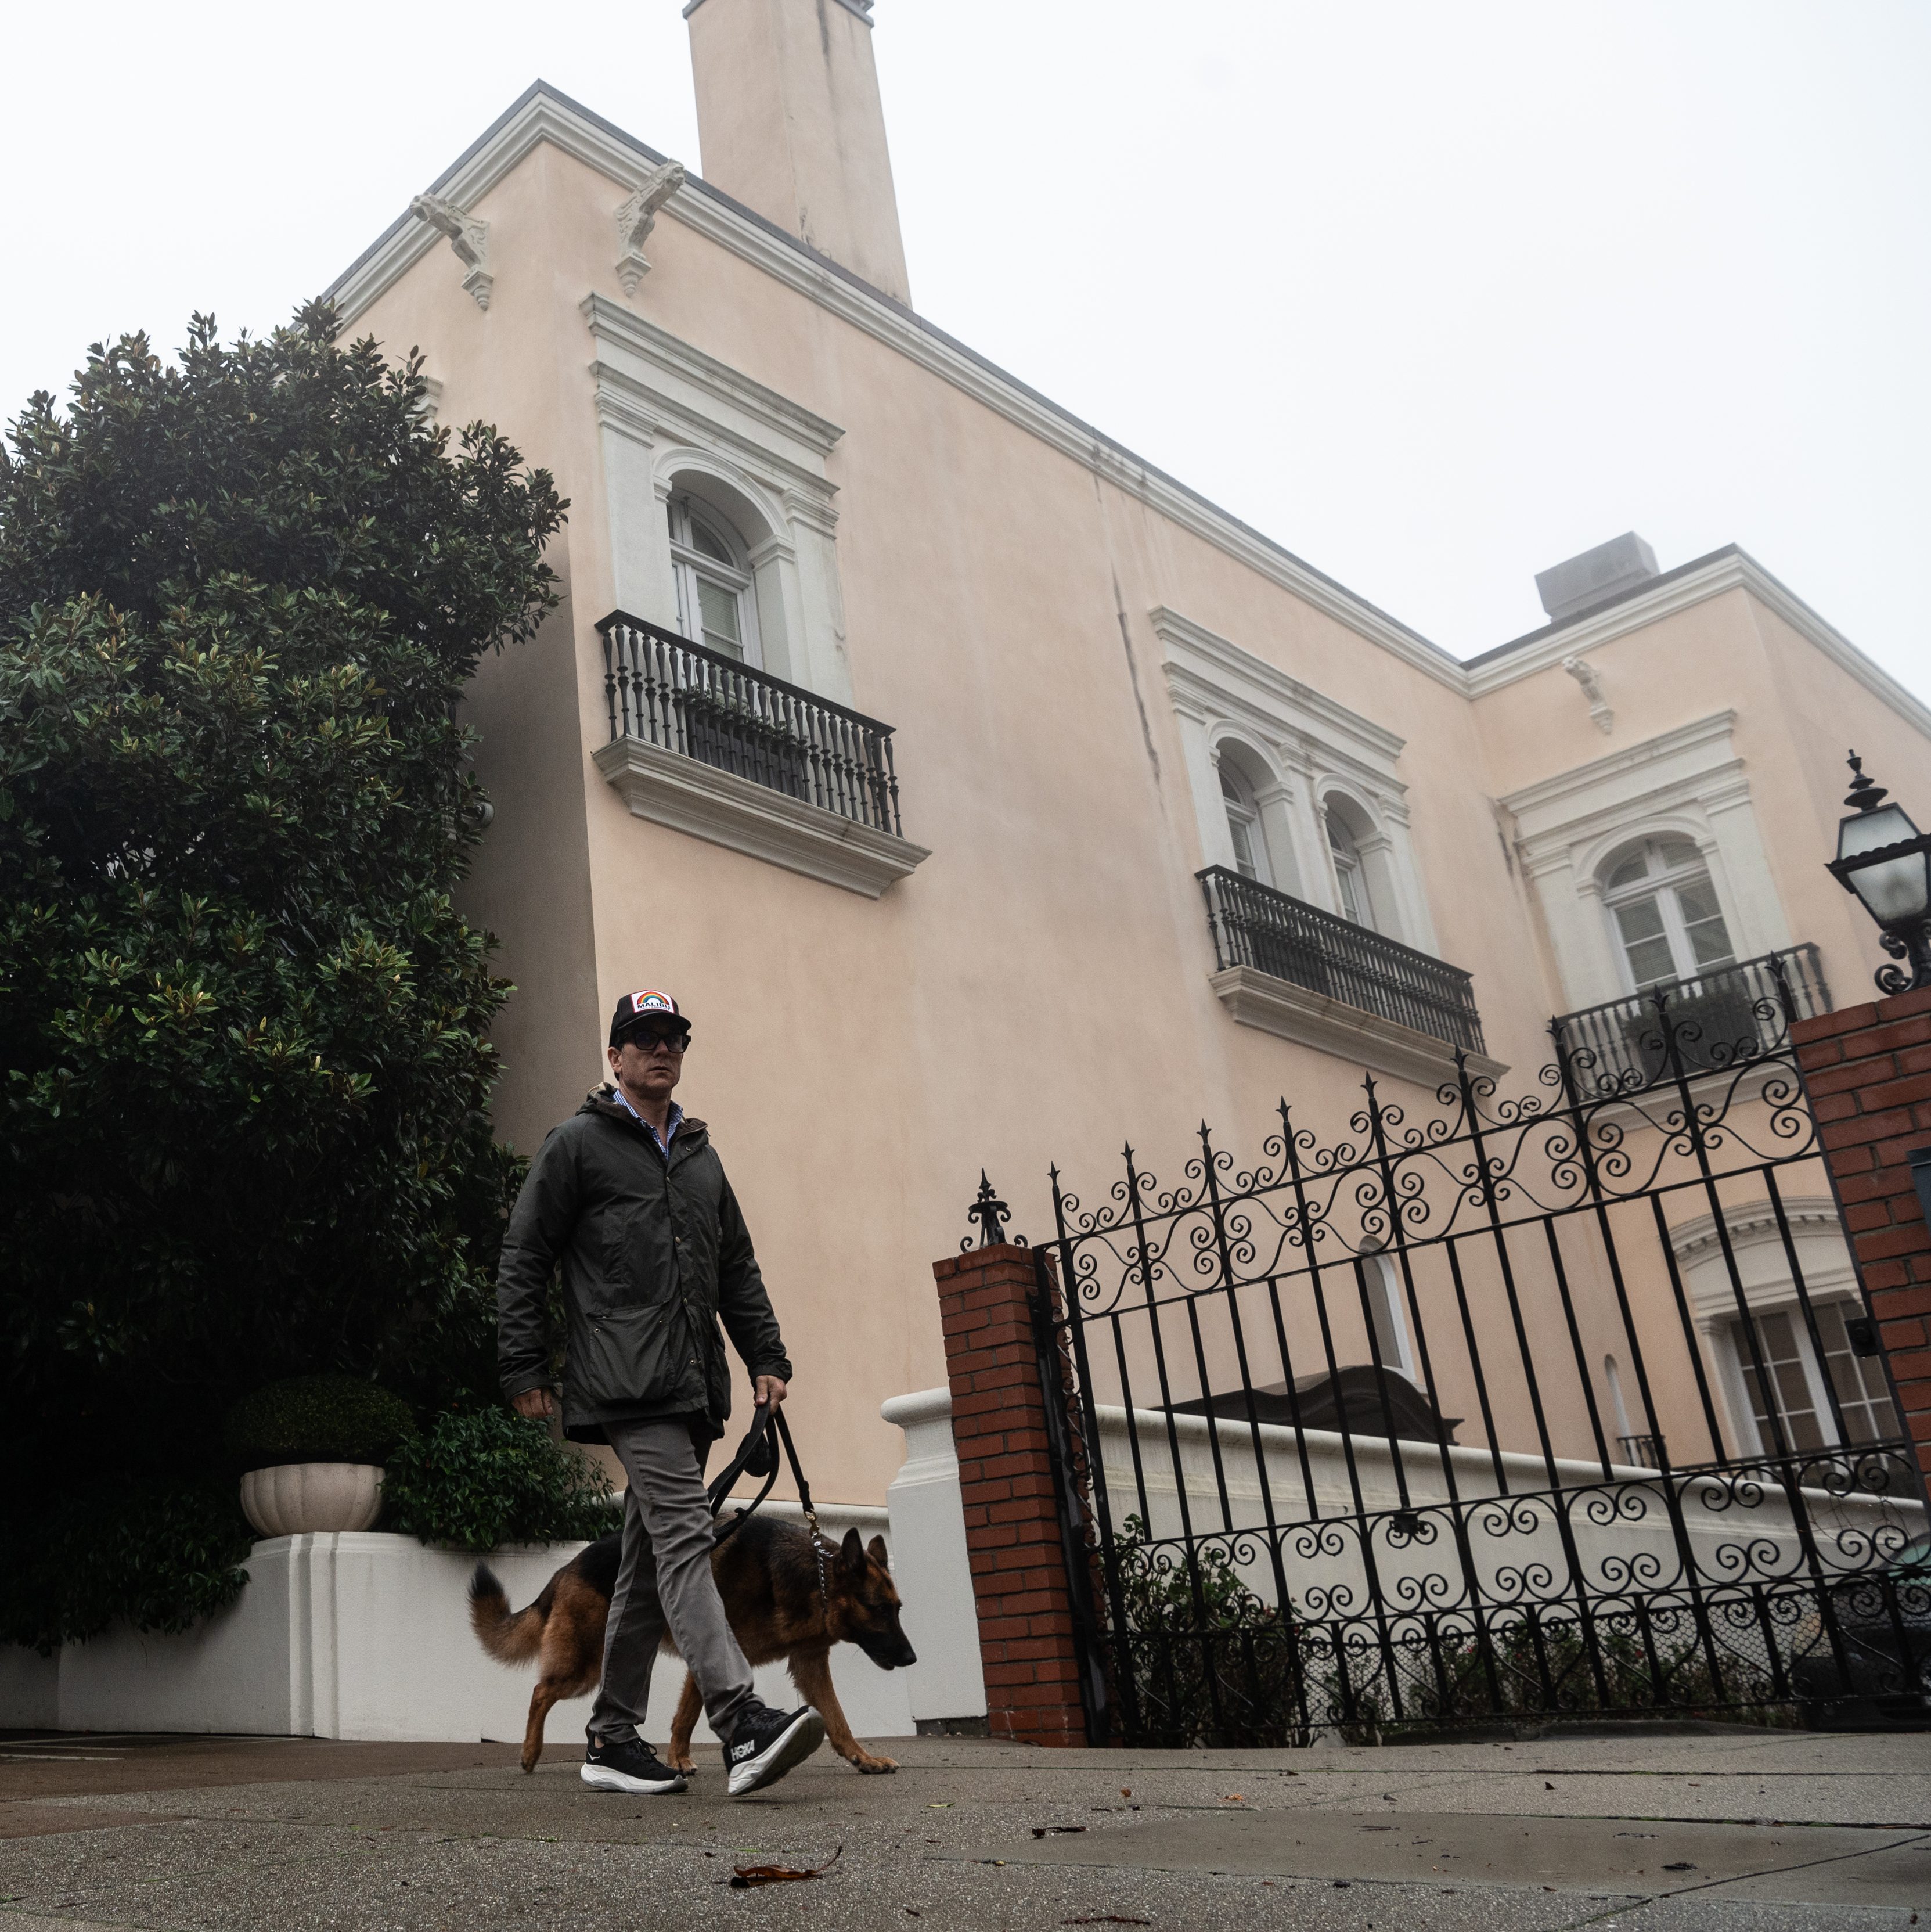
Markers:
<point>1896,890</point>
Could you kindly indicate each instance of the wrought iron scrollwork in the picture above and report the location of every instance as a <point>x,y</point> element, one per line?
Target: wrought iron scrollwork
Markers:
<point>1353,1453</point>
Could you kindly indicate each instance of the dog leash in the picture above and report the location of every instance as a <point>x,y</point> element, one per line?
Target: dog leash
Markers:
<point>756,1456</point>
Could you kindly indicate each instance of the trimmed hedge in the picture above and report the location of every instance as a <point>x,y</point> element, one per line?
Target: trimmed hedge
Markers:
<point>317,1419</point>
<point>479,1479</point>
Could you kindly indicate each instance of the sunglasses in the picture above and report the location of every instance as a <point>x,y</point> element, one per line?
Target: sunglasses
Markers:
<point>671,1042</point>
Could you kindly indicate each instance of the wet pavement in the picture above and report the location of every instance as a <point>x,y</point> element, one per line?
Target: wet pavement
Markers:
<point>1735,1829</point>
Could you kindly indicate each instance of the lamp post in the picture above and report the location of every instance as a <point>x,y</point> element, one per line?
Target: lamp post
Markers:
<point>1885,859</point>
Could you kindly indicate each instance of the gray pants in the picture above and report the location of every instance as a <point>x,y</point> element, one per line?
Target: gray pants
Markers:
<point>663,1576</point>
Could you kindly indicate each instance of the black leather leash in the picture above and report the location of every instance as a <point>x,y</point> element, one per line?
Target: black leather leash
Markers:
<point>757,1456</point>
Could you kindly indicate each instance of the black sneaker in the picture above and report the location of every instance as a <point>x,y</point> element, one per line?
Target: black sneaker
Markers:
<point>634,1767</point>
<point>766,1744</point>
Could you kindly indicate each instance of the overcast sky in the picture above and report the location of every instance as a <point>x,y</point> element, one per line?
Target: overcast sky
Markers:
<point>1435,296</point>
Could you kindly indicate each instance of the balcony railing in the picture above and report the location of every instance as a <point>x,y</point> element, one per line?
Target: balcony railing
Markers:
<point>1718,1020</point>
<point>1255,925</point>
<point>668,692</point>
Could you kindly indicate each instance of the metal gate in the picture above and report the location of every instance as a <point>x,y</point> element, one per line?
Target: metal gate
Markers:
<point>1560,1404</point>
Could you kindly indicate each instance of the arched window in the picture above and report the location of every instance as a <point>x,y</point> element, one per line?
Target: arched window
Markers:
<point>1350,875</point>
<point>1388,1329</point>
<point>1667,919</point>
<point>1243,824</point>
<point>715,606</point>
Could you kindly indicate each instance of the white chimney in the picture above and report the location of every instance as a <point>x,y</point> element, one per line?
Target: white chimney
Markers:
<point>789,123</point>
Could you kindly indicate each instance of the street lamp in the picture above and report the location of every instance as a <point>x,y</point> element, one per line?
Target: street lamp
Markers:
<point>1885,859</point>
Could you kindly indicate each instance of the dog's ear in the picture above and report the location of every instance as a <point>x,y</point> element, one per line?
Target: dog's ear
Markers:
<point>851,1552</point>
<point>877,1551</point>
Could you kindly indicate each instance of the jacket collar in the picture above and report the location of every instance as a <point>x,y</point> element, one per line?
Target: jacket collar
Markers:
<point>603,1100</point>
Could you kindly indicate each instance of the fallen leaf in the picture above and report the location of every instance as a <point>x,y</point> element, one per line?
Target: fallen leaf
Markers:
<point>1234,1798</point>
<point>1055,1830</point>
<point>745,1877</point>
<point>946,1806</point>
<point>912,1912</point>
<point>1105,1919</point>
<point>1681,1864</point>
<point>1548,1787</point>
<point>1125,1792</point>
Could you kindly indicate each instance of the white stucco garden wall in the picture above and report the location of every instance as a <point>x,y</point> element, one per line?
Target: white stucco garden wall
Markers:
<point>363,1636</point>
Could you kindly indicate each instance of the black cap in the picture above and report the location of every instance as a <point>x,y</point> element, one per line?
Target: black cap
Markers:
<point>647,1004</point>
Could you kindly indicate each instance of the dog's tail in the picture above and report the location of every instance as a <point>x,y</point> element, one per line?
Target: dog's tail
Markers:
<point>509,1637</point>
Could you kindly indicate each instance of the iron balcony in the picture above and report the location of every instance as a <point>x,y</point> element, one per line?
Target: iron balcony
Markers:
<point>685,697</point>
<point>1718,1019</point>
<point>1254,925</point>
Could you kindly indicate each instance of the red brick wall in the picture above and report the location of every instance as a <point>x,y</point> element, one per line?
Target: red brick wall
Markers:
<point>1005,1476</point>
<point>1868,1071</point>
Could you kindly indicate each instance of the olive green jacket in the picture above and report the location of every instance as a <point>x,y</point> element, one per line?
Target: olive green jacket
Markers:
<point>654,1253</point>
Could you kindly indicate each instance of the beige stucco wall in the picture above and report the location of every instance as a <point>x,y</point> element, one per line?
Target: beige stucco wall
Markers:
<point>1037,991</point>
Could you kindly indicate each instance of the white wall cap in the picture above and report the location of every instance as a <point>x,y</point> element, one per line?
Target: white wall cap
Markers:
<point>907,1411</point>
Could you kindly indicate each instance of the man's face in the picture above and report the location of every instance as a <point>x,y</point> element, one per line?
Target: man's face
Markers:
<point>649,1060</point>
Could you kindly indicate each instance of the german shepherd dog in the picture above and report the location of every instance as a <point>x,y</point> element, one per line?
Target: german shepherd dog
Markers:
<point>767,1575</point>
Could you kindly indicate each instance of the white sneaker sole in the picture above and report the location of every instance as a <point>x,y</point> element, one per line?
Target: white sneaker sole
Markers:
<point>785,1752</point>
<point>604,1777</point>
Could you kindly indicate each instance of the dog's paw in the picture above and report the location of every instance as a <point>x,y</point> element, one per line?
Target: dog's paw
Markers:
<point>874,1767</point>
<point>681,1761</point>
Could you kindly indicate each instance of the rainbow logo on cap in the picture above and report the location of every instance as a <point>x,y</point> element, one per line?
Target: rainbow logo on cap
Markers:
<point>649,1002</point>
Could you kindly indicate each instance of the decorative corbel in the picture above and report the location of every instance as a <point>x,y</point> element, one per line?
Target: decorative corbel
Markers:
<point>638,216</point>
<point>1586,676</point>
<point>468,235</point>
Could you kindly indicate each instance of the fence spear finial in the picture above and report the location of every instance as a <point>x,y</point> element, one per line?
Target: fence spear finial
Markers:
<point>991,1213</point>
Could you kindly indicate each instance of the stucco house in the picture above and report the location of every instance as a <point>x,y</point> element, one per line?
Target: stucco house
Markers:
<point>990,797</point>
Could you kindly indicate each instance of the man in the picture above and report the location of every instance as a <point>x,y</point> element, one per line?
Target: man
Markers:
<point>630,1195</point>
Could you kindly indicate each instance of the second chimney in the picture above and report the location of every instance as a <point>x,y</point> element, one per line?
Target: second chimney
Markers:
<point>789,123</point>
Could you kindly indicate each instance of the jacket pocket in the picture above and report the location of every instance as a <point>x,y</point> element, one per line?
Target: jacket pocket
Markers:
<point>630,1354</point>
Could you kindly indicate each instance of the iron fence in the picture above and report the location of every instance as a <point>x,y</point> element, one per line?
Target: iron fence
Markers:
<point>1274,933</point>
<point>1347,1442</point>
<point>1713,1015</point>
<point>668,692</point>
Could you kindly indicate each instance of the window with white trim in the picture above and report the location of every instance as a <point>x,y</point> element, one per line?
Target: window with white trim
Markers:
<point>716,606</point>
<point>1794,1386</point>
<point>1392,1347</point>
<point>1243,825</point>
<point>1663,909</point>
<point>1350,873</point>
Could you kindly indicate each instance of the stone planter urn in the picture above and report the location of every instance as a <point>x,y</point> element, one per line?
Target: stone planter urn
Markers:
<point>309,1498</point>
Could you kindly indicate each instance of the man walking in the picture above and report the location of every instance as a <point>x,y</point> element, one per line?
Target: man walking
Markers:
<point>630,1195</point>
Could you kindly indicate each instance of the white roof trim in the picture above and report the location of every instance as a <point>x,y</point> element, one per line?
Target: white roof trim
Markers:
<point>544,115</point>
<point>1730,570</point>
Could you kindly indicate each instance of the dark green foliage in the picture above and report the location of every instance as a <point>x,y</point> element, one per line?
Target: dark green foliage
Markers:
<point>1161,1592</point>
<point>483,1477</point>
<point>1212,1663</point>
<point>316,1419</point>
<point>244,1128</point>
<point>160,1556</point>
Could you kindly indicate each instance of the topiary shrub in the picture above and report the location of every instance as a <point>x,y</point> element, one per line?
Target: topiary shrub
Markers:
<point>317,1419</point>
<point>480,1479</point>
<point>159,1556</point>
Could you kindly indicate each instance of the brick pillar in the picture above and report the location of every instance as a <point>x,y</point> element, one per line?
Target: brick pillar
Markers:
<point>1868,1071</point>
<point>1026,1631</point>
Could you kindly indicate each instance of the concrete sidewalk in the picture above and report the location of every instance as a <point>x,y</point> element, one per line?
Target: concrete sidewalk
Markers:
<point>1729,1829</point>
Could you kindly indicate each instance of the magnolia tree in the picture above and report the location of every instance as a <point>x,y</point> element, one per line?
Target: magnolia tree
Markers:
<point>244,1128</point>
